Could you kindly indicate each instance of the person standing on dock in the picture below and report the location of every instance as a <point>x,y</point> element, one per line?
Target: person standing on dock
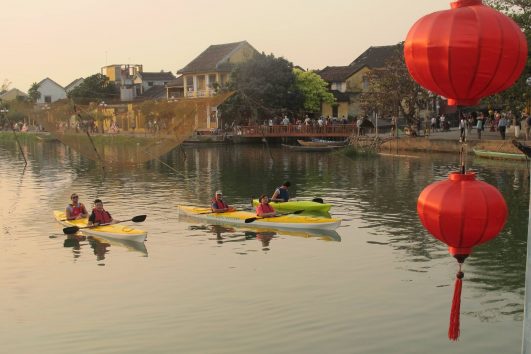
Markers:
<point>462,127</point>
<point>480,124</point>
<point>502,125</point>
<point>527,118</point>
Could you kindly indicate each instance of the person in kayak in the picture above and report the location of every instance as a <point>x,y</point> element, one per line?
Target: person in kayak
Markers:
<point>99,215</point>
<point>281,194</point>
<point>218,204</point>
<point>76,209</point>
<point>263,209</point>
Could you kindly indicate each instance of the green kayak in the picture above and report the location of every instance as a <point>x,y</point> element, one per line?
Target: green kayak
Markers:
<point>306,205</point>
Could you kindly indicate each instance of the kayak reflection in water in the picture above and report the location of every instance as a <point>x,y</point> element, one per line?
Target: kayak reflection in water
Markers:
<point>281,194</point>
<point>263,209</point>
<point>99,215</point>
<point>218,204</point>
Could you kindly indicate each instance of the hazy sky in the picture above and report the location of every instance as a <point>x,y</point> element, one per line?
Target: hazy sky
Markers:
<point>67,39</point>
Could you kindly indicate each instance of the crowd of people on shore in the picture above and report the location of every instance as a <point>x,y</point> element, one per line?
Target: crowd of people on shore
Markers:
<point>480,122</point>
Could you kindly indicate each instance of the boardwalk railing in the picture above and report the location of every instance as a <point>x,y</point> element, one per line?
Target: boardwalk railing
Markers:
<point>293,130</point>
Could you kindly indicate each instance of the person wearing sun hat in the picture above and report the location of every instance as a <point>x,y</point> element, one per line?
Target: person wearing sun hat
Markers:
<point>76,209</point>
<point>218,204</point>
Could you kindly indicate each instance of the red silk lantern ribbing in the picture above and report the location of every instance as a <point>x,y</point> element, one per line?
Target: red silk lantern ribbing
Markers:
<point>461,212</point>
<point>466,53</point>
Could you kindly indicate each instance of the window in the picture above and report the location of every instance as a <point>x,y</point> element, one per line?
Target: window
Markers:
<point>150,83</point>
<point>211,80</point>
<point>48,99</point>
<point>365,84</point>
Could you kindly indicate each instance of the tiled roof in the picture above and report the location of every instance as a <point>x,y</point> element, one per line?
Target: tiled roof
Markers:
<point>14,93</point>
<point>178,82</point>
<point>40,82</point>
<point>156,76</point>
<point>67,87</point>
<point>212,58</point>
<point>336,73</point>
<point>375,57</point>
<point>153,93</point>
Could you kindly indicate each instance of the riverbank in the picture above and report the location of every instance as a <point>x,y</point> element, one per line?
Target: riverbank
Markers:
<point>450,142</point>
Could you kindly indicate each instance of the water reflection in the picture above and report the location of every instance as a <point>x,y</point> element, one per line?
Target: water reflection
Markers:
<point>101,247</point>
<point>375,197</point>
<point>227,234</point>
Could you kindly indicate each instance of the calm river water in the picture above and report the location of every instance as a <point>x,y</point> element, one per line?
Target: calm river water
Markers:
<point>380,284</point>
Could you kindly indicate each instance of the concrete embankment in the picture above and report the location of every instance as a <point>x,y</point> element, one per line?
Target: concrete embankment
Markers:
<point>446,145</point>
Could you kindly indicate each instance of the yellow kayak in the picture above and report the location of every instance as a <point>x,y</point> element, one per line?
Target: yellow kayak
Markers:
<point>279,222</point>
<point>115,231</point>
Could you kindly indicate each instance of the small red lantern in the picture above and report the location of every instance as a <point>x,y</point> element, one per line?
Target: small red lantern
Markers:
<point>461,212</point>
<point>466,53</point>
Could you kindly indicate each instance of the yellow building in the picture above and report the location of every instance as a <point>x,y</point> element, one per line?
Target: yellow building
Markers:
<point>13,94</point>
<point>210,70</point>
<point>348,82</point>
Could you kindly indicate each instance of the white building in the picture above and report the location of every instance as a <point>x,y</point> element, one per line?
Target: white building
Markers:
<point>50,91</point>
<point>74,84</point>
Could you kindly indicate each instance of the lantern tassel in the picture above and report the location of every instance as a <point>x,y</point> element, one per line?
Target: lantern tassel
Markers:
<point>453,330</point>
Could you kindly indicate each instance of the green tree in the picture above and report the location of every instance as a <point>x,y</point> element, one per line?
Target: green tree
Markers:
<point>94,88</point>
<point>264,86</point>
<point>34,93</point>
<point>314,90</point>
<point>392,90</point>
<point>5,86</point>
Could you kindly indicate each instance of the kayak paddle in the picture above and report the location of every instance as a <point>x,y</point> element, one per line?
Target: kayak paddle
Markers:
<point>73,229</point>
<point>249,220</point>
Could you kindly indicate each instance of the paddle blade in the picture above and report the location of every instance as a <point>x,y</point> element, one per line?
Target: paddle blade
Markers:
<point>248,220</point>
<point>71,230</point>
<point>318,200</point>
<point>139,218</point>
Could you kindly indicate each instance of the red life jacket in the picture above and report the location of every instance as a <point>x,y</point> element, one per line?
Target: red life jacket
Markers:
<point>219,204</point>
<point>264,209</point>
<point>101,217</point>
<point>76,210</point>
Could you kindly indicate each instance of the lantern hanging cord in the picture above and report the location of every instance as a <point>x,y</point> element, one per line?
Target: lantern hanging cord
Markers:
<point>462,158</point>
<point>463,151</point>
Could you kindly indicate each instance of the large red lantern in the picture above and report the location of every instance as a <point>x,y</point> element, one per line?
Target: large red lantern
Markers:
<point>466,53</point>
<point>461,212</point>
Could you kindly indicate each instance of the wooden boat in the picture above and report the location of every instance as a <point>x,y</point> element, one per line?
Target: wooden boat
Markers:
<point>322,142</point>
<point>311,148</point>
<point>115,231</point>
<point>523,148</point>
<point>286,222</point>
<point>499,155</point>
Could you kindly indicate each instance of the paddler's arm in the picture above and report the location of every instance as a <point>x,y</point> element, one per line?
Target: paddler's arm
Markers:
<point>91,219</point>
<point>84,212</point>
<point>275,195</point>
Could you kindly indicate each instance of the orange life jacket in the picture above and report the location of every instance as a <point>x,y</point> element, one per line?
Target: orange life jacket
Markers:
<point>101,216</point>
